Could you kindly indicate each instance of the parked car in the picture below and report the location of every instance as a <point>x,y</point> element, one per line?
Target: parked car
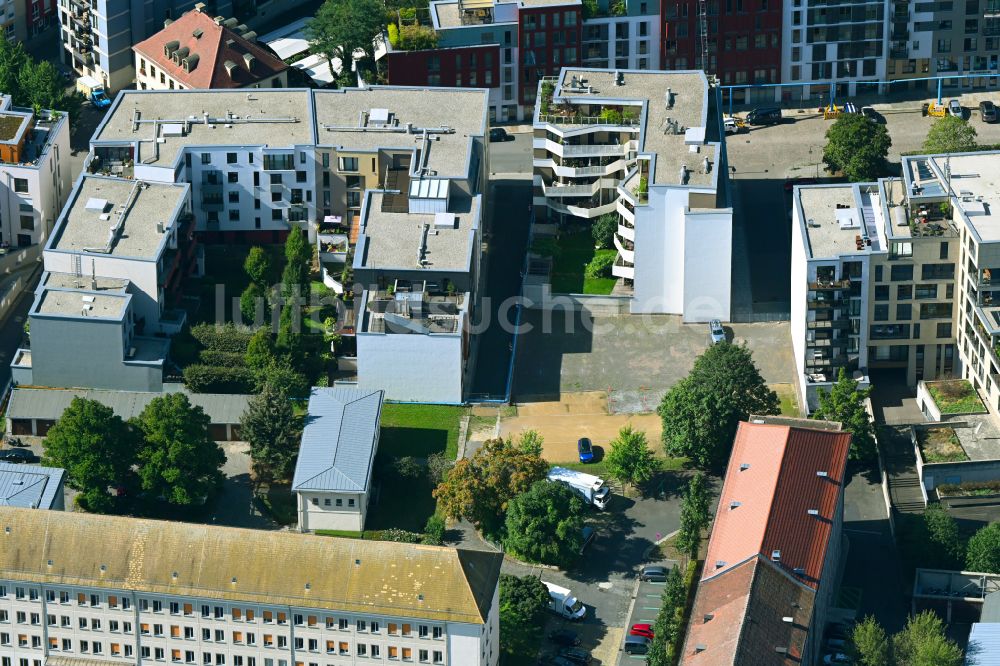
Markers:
<point>988,111</point>
<point>716,332</point>
<point>588,535</point>
<point>576,655</point>
<point>564,637</point>
<point>585,449</point>
<point>735,125</point>
<point>654,572</point>
<point>871,114</point>
<point>955,108</point>
<point>500,134</point>
<point>764,115</point>
<point>636,645</point>
<point>18,456</point>
<point>837,658</point>
<point>641,630</point>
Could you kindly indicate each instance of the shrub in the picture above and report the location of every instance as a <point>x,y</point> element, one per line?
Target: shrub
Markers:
<point>969,488</point>
<point>225,359</point>
<point>395,534</point>
<point>611,116</point>
<point>600,266</point>
<point>394,35</point>
<point>604,230</point>
<point>201,378</point>
<point>417,37</point>
<point>434,531</point>
<point>222,338</point>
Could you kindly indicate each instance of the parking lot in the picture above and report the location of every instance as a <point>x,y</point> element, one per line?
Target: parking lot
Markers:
<point>648,599</point>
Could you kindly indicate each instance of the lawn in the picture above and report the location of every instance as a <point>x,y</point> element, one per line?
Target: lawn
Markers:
<point>420,430</point>
<point>575,250</point>
<point>940,444</point>
<point>955,396</point>
<point>789,401</point>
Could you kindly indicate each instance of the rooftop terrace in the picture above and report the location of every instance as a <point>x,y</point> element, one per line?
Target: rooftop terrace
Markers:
<point>409,309</point>
<point>833,219</point>
<point>972,178</point>
<point>141,213</point>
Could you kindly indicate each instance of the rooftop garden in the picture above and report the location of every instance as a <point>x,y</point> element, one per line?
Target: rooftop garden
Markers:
<point>407,34</point>
<point>940,444</point>
<point>594,8</point>
<point>582,114</point>
<point>955,396</point>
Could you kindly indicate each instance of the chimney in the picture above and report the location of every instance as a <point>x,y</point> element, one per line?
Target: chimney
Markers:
<point>167,22</point>
<point>199,7</point>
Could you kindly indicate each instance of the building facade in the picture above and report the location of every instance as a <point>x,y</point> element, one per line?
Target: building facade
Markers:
<point>78,594</point>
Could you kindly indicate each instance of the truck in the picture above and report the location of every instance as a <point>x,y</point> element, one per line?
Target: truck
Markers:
<point>563,603</point>
<point>590,487</point>
<point>94,91</point>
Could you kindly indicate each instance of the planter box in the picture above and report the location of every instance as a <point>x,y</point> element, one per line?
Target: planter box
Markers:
<point>969,500</point>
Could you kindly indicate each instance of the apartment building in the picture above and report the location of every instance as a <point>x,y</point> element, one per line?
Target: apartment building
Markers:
<point>646,147</point>
<point>873,284</point>
<point>509,45</point>
<point>198,51</point>
<point>34,173</point>
<point>120,590</point>
<point>773,560</point>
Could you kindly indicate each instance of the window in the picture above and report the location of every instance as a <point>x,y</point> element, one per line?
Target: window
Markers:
<point>350,502</point>
<point>21,185</point>
<point>890,332</point>
<point>937,271</point>
<point>943,254</point>
<point>438,657</point>
<point>230,158</point>
<point>882,292</point>
<point>944,330</point>
<point>904,311</point>
<point>881,313</point>
<point>342,624</point>
<point>232,177</point>
<point>234,215</point>
<point>924,291</point>
<point>900,249</point>
<point>340,501</point>
<point>27,223</point>
<point>901,273</point>
<point>422,656</point>
<point>348,163</point>
<point>935,310</point>
<point>878,273</point>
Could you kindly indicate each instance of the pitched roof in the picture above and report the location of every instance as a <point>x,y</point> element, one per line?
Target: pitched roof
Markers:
<point>739,616</point>
<point>339,440</point>
<point>221,52</point>
<point>211,562</point>
<point>778,474</point>
<point>29,487</point>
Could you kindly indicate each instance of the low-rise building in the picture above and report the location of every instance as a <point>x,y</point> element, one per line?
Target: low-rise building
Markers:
<point>332,482</point>
<point>126,591</point>
<point>198,51</point>
<point>32,487</point>
<point>774,553</point>
<point>644,147</point>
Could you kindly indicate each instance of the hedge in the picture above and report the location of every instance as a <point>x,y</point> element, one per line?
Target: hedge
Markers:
<point>201,378</point>
<point>223,358</point>
<point>391,534</point>
<point>225,338</point>
<point>969,488</point>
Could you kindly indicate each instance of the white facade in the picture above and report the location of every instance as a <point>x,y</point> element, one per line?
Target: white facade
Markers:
<point>319,510</point>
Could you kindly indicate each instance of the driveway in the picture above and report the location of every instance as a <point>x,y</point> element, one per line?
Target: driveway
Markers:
<point>893,402</point>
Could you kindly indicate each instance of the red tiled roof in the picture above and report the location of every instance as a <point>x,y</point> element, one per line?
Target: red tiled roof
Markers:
<point>216,46</point>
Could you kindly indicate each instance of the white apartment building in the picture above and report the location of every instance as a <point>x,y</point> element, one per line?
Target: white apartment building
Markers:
<point>636,145</point>
<point>34,173</point>
<point>79,588</point>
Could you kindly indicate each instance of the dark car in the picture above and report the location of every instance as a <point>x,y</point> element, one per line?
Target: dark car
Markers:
<point>585,449</point>
<point>872,115</point>
<point>654,573</point>
<point>17,456</point>
<point>764,115</point>
<point>636,645</point>
<point>500,134</point>
<point>588,535</point>
<point>564,637</point>
<point>576,655</point>
<point>988,111</point>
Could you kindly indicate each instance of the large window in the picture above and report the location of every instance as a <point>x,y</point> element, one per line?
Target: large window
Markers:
<point>21,185</point>
<point>900,249</point>
<point>881,313</point>
<point>882,292</point>
<point>926,291</point>
<point>944,330</point>
<point>901,273</point>
<point>937,271</point>
<point>348,163</point>
<point>890,332</point>
<point>904,311</point>
<point>935,310</point>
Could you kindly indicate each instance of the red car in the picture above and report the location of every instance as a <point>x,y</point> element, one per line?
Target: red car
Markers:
<point>642,630</point>
<point>792,182</point>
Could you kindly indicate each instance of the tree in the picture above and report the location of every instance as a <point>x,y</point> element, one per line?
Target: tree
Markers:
<point>668,619</point>
<point>950,134</point>
<point>95,447</point>
<point>945,543</point>
<point>438,466</point>
<point>271,429</point>
<point>870,644</point>
<point>857,147</point>
<point>630,460</point>
<point>290,333</point>
<point>923,643</point>
<point>523,602</point>
<point>434,530</point>
<point>342,27</point>
<point>282,375</point>
<point>178,460</point>
<point>251,297</point>
<point>257,266</point>
<point>479,489</point>
<point>531,442</point>
<point>42,85</point>
<point>845,403</point>
<point>13,60</point>
<point>695,516</point>
<point>545,524</point>
<point>298,256</point>
<point>983,553</point>
<point>702,411</point>
<point>604,230</point>
<point>260,354</point>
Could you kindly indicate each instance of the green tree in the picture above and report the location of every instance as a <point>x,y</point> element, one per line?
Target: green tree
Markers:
<point>946,547</point>
<point>178,460</point>
<point>857,147</point>
<point>845,403</point>
<point>923,643</point>
<point>950,134</point>
<point>298,256</point>
<point>870,646</point>
<point>342,27</point>
<point>260,354</point>
<point>290,333</point>
<point>42,85</point>
<point>95,447</point>
<point>13,61</point>
<point>702,411</point>
<point>695,516</point>
<point>545,524</point>
<point>271,429</point>
<point>668,620</point>
<point>258,266</point>
<point>531,441</point>
<point>479,489</point>
<point>630,459</point>
<point>522,603</point>
<point>252,297</point>
<point>438,466</point>
<point>983,553</point>
<point>282,375</point>
<point>604,230</point>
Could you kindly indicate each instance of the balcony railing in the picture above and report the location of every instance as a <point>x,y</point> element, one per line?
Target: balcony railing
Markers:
<point>829,285</point>
<point>816,304</point>
<point>835,324</point>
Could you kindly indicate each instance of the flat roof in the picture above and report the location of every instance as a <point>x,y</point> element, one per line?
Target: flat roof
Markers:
<point>13,125</point>
<point>81,304</point>
<point>277,118</point>
<point>95,283</point>
<point>689,96</point>
<point>395,239</point>
<point>464,112</point>
<point>140,206</point>
<point>31,487</point>
<point>823,207</point>
<point>975,182</point>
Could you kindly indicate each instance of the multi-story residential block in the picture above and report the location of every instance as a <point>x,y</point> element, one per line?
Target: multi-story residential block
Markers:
<point>125,591</point>
<point>198,51</point>
<point>646,147</point>
<point>32,487</point>
<point>34,172</point>
<point>334,467</point>
<point>873,284</point>
<point>775,547</point>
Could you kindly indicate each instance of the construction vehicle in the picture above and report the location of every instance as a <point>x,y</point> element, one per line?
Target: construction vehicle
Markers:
<point>935,110</point>
<point>832,112</point>
<point>94,91</point>
<point>735,125</point>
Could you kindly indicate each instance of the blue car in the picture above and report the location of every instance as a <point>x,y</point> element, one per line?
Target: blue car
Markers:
<point>586,450</point>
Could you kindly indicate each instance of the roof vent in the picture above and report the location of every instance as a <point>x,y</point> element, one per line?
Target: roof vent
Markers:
<point>249,60</point>
<point>357,563</point>
<point>230,23</point>
<point>230,68</point>
<point>241,28</point>
<point>813,512</point>
<point>700,647</point>
<point>775,555</point>
<point>180,54</point>
<point>173,575</point>
<point>230,43</point>
<point>233,581</point>
<point>197,33</point>
<point>219,19</point>
<point>50,563</point>
<point>719,564</point>
<point>250,36</point>
<point>167,22</point>
<point>822,474</point>
<point>781,650</point>
<point>734,504</point>
<point>6,530</point>
<point>788,619</point>
<point>199,7</point>
<point>104,567</point>
<point>708,617</point>
<point>798,571</point>
<point>744,466</point>
<point>308,586</point>
<point>420,597</point>
<point>619,78</point>
<point>669,98</point>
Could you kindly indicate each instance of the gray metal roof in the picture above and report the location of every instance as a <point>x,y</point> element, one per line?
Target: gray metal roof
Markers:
<point>29,487</point>
<point>49,404</point>
<point>339,440</point>
<point>983,648</point>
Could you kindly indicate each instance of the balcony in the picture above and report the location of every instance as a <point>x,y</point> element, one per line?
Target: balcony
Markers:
<point>829,285</point>
<point>585,150</point>
<point>587,212</point>
<point>587,190</point>
<point>569,171</point>
<point>626,231</point>
<point>626,249</point>
<point>824,303</point>
<point>623,270</point>
<point>827,343</point>
<point>834,324</point>
<point>332,247</point>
